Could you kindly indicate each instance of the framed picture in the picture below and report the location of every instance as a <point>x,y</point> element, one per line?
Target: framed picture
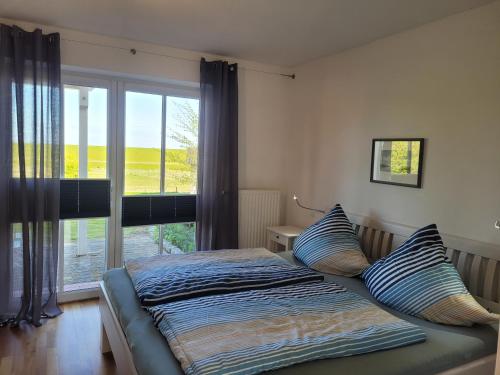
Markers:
<point>397,161</point>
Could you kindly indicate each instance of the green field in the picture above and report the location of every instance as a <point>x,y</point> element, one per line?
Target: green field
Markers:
<point>96,229</point>
<point>142,168</point>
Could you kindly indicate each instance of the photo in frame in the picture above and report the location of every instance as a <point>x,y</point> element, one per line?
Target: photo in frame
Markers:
<point>397,161</point>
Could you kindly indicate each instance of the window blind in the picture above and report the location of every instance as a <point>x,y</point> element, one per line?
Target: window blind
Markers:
<point>84,198</point>
<point>158,209</point>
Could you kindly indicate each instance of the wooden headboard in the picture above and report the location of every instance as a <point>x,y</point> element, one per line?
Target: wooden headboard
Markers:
<point>478,263</point>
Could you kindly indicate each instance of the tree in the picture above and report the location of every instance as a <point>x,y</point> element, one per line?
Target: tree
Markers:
<point>184,131</point>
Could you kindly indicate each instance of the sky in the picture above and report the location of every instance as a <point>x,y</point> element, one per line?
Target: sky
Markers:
<point>142,118</point>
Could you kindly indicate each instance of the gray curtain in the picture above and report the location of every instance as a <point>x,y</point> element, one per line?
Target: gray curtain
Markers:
<point>217,199</point>
<point>30,124</point>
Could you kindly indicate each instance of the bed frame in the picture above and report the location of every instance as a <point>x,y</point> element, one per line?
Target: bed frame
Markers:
<point>478,264</point>
<point>112,336</point>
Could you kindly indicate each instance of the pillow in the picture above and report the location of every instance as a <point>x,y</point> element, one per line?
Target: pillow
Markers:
<point>417,279</point>
<point>331,246</point>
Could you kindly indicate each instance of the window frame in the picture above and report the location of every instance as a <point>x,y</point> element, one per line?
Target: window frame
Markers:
<point>187,92</point>
<point>95,81</point>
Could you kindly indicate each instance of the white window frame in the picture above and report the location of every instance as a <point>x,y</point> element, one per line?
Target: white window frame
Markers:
<point>145,88</point>
<point>117,86</point>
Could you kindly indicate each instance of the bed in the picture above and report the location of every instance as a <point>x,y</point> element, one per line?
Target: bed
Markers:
<point>139,348</point>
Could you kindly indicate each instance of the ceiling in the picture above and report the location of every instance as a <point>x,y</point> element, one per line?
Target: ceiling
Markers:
<point>281,32</point>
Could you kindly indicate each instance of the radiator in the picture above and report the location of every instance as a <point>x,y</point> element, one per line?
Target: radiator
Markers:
<point>258,209</point>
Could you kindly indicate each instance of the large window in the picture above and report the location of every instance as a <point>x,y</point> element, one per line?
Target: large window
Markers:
<point>161,154</point>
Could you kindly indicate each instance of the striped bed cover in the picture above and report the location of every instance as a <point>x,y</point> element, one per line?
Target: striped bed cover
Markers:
<point>255,330</point>
<point>166,278</point>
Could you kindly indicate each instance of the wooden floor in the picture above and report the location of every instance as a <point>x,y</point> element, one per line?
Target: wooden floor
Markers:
<point>68,344</point>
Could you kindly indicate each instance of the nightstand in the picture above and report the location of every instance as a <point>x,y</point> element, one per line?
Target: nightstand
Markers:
<point>284,235</point>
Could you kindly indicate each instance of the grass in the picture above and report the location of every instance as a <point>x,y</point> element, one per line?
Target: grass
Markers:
<point>96,229</point>
<point>142,168</point>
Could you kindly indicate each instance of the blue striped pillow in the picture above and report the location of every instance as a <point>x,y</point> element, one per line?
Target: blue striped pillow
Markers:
<point>417,279</point>
<point>331,246</point>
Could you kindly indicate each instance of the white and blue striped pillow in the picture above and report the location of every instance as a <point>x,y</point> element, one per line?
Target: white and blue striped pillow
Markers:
<point>331,246</point>
<point>417,279</point>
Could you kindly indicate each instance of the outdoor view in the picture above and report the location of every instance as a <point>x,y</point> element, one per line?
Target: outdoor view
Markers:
<point>143,169</point>
<point>143,144</point>
<point>85,156</point>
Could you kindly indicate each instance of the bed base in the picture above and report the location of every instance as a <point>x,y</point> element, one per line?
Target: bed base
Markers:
<point>113,339</point>
<point>112,336</point>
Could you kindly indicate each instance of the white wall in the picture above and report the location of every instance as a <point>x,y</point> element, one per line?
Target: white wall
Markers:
<point>263,97</point>
<point>440,81</point>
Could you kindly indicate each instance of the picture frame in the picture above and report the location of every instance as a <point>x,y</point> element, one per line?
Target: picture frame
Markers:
<point>397,161</point>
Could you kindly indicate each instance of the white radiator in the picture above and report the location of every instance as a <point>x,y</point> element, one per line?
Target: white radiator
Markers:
<point>258,209</point>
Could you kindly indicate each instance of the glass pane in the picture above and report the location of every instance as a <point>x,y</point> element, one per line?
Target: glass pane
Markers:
<point>179,238</point>
<point>71,131</point>
<point>84,253</point>
<point>143,117</point>
<point>29,137</point>
<point>181,154</point>
<point>85,132</point>
<point>85,156</point>
<point>97,133</point>
<point>17,264</point>
<point>140,241</point>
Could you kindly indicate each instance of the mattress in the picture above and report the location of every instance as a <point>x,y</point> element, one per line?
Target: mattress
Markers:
<point>445,347</point>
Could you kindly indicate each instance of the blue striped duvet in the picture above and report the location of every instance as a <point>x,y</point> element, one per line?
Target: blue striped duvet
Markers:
<point>167,278</point>
<point>259,330</point>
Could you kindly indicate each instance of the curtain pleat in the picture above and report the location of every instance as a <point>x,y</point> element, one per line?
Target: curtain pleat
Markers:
<point>217,199</point>
<point>30,133</point>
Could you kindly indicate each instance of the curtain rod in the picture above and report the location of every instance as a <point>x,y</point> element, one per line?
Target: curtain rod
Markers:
<point>134,51</point>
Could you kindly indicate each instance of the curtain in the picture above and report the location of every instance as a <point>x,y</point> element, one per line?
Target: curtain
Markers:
<point>217,199</point>
<point>30,125</point>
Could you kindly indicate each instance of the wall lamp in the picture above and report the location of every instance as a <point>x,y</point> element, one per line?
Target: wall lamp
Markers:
<point>296,199</point>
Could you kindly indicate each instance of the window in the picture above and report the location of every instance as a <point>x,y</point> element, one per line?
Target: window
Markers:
<point>179,238</point>
<point>140,241</point>
<point>85,132</point>
<point>181,155</point>
<point>143,131</point>
<point>83,255</point>
<point>161,154</point>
